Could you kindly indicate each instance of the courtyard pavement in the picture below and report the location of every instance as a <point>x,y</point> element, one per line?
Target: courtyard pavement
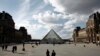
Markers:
<point>61,50</point>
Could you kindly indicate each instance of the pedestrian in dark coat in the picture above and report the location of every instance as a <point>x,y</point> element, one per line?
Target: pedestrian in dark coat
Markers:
<point>13,49</point>
<point>53,53</point>
<point>2,47</point>
<point>47,53</point>
<point>6,46</point>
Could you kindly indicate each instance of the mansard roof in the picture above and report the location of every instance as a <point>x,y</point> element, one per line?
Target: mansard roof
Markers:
<point>6,16</point>
<point>94,15</point>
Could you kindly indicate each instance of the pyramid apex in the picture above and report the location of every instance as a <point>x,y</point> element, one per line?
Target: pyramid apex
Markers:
<point>51,29</point>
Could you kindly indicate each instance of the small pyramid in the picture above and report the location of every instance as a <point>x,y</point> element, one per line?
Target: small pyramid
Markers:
<point>52,38</point>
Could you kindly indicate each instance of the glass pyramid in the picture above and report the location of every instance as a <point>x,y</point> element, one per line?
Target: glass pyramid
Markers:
<point>52,38</point>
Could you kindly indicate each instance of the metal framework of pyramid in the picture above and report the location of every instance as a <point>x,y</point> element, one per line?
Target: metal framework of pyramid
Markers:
<point>52,38</point>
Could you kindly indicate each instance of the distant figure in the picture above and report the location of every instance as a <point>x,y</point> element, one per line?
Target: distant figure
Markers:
<point>6,46</point>
<point>75,44</point>
<point>23,47</point>
<point>98,43</point>
<point>36,43</point>
<point>32,46</point>
<point>84,45</point>
<point>47,53</point>
<point>2,47</point>
<point>15,48</point>
<point>53,53</point>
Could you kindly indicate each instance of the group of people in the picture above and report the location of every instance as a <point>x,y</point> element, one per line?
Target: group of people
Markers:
<point>52,54</point>
<point>4,47</point>
<point>14,48</point>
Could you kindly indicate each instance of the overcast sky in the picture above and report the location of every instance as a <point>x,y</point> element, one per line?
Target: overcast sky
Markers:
<point>39,16</point>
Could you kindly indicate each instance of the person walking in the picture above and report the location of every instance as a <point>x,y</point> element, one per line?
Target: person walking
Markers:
<point>47,53</point>
<point>13,49</point>
<point>53,53</point>
<point>6,46</point>
<point>2,47</point>
<point>23,49</point>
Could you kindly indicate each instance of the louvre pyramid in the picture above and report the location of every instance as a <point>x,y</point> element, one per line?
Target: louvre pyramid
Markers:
<point>52,37</point>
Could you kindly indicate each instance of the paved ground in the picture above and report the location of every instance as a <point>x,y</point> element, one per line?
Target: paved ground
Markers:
<point>61,50</point>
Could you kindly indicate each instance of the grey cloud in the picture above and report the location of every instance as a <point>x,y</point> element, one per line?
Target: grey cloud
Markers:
<point>60,21</point>
<point>78,6</point>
